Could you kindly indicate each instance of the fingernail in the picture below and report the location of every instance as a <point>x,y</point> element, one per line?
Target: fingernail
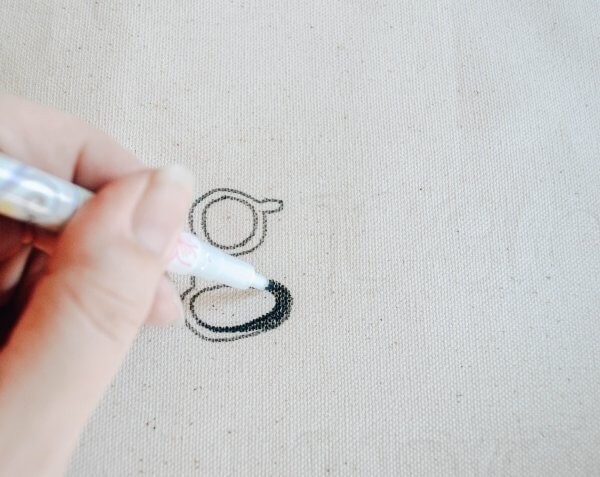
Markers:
<point>161,210</point>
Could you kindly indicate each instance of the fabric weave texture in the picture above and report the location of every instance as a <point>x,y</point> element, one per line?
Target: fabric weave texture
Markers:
<point>438,166</point>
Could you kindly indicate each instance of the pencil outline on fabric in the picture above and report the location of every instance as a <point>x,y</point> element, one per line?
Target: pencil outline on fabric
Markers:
<point>261,210</point>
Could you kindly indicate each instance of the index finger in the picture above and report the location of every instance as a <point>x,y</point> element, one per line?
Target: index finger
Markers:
<point>58,143</point>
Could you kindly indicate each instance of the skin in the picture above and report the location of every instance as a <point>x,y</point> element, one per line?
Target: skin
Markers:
<point>74,302</point>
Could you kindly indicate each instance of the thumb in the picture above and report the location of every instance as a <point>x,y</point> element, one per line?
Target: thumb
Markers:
<point>85,312</point>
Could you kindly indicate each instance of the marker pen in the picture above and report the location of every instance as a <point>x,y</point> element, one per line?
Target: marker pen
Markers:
<point>30,195</point>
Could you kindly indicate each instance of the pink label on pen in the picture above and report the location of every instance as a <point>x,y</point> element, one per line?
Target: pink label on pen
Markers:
<point>185,253</point>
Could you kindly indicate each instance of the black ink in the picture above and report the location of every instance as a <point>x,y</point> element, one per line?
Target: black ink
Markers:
<point>270,320</point>
<point>243,242</point>
<point>283,299</point>
<point>260,211</point>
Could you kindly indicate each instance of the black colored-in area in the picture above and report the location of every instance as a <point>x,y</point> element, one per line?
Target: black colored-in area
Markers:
<point>261,210</point>
<point>270,320</point>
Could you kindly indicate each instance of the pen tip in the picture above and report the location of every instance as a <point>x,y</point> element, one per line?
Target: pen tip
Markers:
<point>260,282</point>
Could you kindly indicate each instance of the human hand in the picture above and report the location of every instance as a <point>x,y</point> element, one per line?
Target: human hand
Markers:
<point>75,310</point>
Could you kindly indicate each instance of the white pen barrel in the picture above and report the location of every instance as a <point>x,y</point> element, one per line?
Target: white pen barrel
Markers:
<point>210,263</point>
<point>31,195</point>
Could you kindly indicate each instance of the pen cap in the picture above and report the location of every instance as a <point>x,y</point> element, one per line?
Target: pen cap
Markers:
<point>31,195</point>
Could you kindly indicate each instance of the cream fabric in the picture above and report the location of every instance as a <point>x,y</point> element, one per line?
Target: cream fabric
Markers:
<point>439,168</point>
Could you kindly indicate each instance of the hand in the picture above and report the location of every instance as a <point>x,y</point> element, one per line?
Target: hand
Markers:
<point>75,311</point>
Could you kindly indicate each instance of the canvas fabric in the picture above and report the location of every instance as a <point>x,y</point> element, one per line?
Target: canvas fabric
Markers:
<point>433,176</point>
